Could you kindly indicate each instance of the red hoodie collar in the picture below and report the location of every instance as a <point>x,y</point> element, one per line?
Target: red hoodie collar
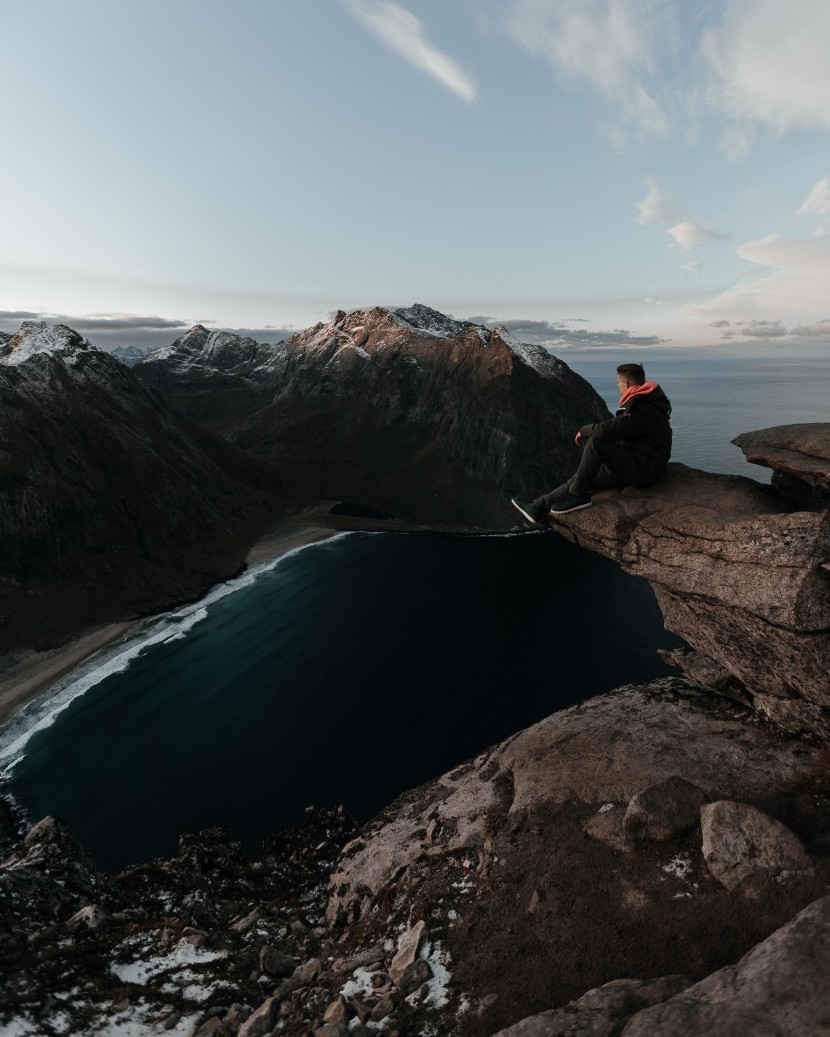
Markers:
<point>637,390</point>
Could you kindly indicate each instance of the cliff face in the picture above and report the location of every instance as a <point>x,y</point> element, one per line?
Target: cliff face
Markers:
<point>109,503</point>
<point>407,411</point>
<point>740,573</point>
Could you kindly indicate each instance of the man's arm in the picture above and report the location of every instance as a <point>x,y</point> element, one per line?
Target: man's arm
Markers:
<point>632,422</point>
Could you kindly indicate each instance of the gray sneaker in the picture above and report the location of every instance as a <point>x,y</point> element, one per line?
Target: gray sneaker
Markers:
<point>529,510</point>
<point>573,502</point>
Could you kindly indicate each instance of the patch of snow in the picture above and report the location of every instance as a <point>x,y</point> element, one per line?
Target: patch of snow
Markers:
<point>361,984</point>
<point>426,321</point>
<point>786,876</point>
<point>137,1022</point>
<point>534,356</point>
<point>438,960</point>
<point>680,866</point>
<point>39,337</point>
<point>605,808</point>
<point>183,954</point>
<point>452,914</point>
<point>61,1021</point>
<point>18,1028</point>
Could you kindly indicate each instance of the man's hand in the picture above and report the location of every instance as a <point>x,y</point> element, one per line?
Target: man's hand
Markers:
<point>578,439</point>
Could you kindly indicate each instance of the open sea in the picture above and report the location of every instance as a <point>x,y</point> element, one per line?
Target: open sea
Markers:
<point>352,669</point>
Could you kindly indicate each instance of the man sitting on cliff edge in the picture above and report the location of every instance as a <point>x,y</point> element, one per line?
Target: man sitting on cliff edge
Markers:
<point>630,449</point>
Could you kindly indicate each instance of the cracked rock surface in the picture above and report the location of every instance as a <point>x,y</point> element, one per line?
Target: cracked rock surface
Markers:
<point>739,573</point>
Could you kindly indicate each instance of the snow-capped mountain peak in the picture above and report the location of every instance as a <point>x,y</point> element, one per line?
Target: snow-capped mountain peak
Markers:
<point>426,321</point>
<point>41,337</point>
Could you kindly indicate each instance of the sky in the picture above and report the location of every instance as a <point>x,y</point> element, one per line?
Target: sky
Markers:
<point>592,173</point>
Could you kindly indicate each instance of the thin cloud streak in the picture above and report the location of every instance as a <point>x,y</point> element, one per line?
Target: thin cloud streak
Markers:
<point>606,46</point>
<point>818,200</point>
<point>400,31</point>
<point>770,63</point>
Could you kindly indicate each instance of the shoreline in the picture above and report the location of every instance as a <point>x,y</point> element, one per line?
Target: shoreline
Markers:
<point>30,672</point>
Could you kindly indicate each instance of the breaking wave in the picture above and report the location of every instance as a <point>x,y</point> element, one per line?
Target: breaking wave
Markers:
<point>41,712</point>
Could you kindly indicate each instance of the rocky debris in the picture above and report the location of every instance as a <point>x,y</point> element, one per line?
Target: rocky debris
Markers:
<point>408,948</point>
<point>738,574</point>
<point>779,987</point>
<point>742,845</point>
<point>91,917</point>
<point>599,1013</point>
<point>155,948</point>
<point>664,811</point>
<point>111,504</point>
<point>275,963</point>
<point>799,456</point>
<point>262,1020</point>
<point>406,412</point>
<point>596,751</point>
<point>493,856</point>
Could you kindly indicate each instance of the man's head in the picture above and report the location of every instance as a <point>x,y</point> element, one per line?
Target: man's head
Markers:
<point>628,375</point>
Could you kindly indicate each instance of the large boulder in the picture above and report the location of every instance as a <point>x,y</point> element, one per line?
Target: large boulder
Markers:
<point>601,1012</point>
<point>779,988</point>
<point>797,454</point>
<point>742,844</point>
<point>664,810</point>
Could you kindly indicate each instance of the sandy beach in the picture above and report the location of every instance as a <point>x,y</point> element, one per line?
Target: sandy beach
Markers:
<point>25,674</point>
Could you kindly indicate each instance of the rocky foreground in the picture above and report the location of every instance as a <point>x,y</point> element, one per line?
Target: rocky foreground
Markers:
<point>653,861</point>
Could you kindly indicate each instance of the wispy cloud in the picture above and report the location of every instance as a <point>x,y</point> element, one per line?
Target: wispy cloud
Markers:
<point>400,31</point>
<point>686,233</point>
<point>818,200</point>
<point>690,235</point>
<point>657,207</point>
<point>770,63</point>
<point>787,289</point>
<point>108,330</point>
<point>607,46</point>
<point>692,269</point>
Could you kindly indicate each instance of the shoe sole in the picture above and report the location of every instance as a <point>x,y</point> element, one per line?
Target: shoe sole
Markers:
<point>523,512</point>
<point>567,511</point>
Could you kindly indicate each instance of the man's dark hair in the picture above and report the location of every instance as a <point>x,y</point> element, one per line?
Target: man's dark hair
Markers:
<point>632,373</point>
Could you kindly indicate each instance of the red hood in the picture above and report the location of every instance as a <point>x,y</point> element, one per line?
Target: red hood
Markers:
<point>637,390</point>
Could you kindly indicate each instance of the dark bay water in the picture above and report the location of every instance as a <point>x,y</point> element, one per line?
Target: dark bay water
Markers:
<point>351,671</point>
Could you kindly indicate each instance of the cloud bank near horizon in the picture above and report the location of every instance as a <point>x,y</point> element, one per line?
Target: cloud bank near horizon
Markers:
<point>109,330</point>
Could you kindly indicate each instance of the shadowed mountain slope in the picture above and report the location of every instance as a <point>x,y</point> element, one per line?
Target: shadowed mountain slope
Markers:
<point>110,504</point>
<point>408,411</point>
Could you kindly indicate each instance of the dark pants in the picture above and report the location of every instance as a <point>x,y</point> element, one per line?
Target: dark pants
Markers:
<point>604,464</point>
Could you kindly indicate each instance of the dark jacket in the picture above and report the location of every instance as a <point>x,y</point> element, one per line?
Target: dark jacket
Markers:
<point>642,425</point>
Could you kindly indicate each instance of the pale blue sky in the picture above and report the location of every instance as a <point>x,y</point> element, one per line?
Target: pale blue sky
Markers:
<point>635,170</point>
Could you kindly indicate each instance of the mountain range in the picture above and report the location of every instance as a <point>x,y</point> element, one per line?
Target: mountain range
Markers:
<point>126,490</point>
